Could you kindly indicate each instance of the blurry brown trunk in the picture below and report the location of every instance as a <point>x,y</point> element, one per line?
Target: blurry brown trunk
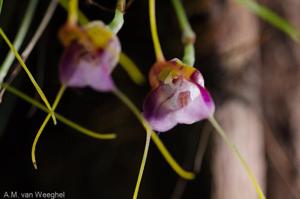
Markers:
<point>236,38</point>
<point>280,57</point>
<point>291,9</point>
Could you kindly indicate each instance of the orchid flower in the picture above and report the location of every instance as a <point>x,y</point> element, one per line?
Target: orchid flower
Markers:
<point>74,37</point>
<point>138,78</point>
<point>178,96</point>
<point>91,54</point>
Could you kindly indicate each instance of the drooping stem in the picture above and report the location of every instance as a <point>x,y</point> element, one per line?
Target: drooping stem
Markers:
<point>116,24</point>
<point>188,35</point>
<point>43,24</point>
<point>59,117</point>
<point>35,84</point>
<point>236,152</point>
<point>1,3</point>
<point>154,33</point>
<point>73,12</point>
<point>131,68</point>
<point>81,17</point>
<point>41,129</point>
<point>142,167</point>
<point>271,17</point>
<point>28,49</point>
<point>22,32</point>
<point>168,157</point>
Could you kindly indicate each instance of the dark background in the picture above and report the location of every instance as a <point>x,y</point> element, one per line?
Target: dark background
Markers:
<point>250,67</point>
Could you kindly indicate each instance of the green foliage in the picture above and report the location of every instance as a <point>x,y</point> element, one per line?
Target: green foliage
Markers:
<point>1,3</point>
<point>271,17</point>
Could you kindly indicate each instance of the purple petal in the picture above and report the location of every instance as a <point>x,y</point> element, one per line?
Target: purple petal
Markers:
<point>181,101</point>
<point>80,67</point>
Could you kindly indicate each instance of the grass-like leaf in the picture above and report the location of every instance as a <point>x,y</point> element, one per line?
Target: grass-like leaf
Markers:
<point>19,37</point>
<point>271,17</point>
<point>238,155</point>
<point>41,129</point>
<point>1,3</point>
<point>59,117</point>
<point>35,84</point>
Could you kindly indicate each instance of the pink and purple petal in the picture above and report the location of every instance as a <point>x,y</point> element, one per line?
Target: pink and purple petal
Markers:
<point>180,102</point>
<point>80,67</point>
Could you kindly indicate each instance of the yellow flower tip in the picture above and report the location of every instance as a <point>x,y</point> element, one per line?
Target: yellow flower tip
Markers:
<point>35,165</point>
<point>106,137</point>
<point>190,176</point>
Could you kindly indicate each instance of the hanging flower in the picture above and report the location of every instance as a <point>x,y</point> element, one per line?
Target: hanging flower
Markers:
<point>91,53</point>
<point>178,96</point>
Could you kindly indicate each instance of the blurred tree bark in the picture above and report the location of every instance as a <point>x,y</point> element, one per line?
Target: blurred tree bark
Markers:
<point>236,32</point>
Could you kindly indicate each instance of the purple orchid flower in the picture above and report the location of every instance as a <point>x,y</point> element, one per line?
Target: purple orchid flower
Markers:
<point>91,53</point>
<point>178,96</point>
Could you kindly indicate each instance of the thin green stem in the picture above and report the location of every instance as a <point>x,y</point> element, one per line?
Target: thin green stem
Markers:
<point>22,32</point>
<point>142,167</point>
<point>1,3</point>
<point>35,84</point>
<point>188,35</point>
<point>271,17</point>
<point>116,24</point>
<point>59,117</point>
<point>164,151</point>
<point>38,33</point>
<point>154,33</point>
<point>41,129</point>
<point>131,68</point>
<point>81,17</point>
<point>236,152</point>
<point>189,54</point>
<point>28,49</point>
<point>73,10</point>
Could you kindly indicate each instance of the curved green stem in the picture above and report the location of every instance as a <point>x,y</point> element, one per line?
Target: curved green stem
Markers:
<point>164,151</point>
<point>19,38</point>
<point>189,54</point>
<point>153,27</point>
<point>116,24</point>
<point>271,17</point>
<point>42,26</point>
<point>188,35</point>
<point>73,10</point>
<point>59,117</point>
<point>131,68</point>
<point>236,152</point>
<point>1,3</point>
<point>35,84</point>
<point>28,49</point>
<point>41,129</point>
<point>81,17</point>
<point>142,167</point>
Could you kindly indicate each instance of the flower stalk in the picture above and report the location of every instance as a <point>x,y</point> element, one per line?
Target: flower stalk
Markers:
<point>188,35</point>
<point>35,84</point>
<point>59,117</point>
<point>37,136</point>
<point>154,33</point>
